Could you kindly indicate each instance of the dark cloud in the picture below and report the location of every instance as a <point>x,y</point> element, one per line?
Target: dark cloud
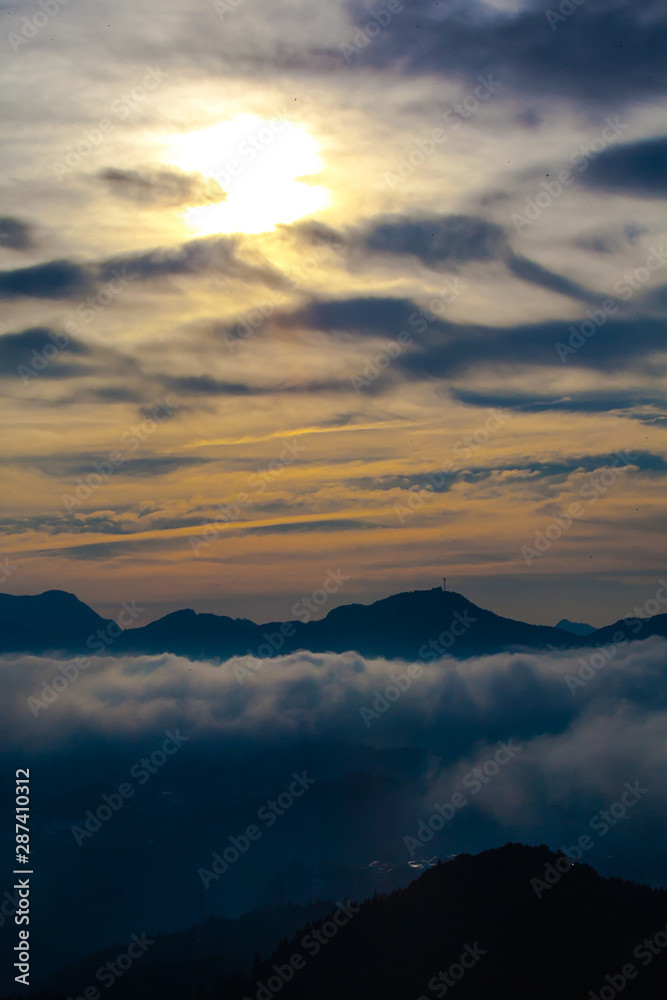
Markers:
<point>635,404</point>
<point>442,349</point>
<point>119,521</point>
<point>149,466</point>
<point>16,349</point>
<point>558,471</point>
<point>61,466</point>
<point>104,522</point>
<point>207,385</point>
<point>530,118</point>
<point>62,279</point>
<point>58,279</point>
<point>450,349</point>
<point>313,233</point>
<point>307,527</point>
<point>605,52</point>
<point>162,187</point>
<point>98,551</point>
<point>535,274</point>
<point>15,234</point>
<point>638,168</point>
<point>451,239</point>
<point>598,242</point>
<point>360,315</point>
<point>109,394</point>
<point>211,256</point>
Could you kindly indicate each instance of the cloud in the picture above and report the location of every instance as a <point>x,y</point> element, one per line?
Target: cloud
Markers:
<point>558,470</point>
<point>63,279</point>
<point>638,168</point>
<point>306,527</point>
<point>16,350</point>
<point>631,403</point>
<point>15,234</point>
<point>58,279</point>
<point>207,385</point>
<point>147,466</point>
<point>450,707</point>
<point>442,349</point>
<point>451,240</point>
<point>535,274</point>
<point>450,349</point>
<point>213,255</point>
<point>162,187</point>
<point>608,53</point>
<point>436,240</point>
<point>363,315</point>
<point>242,742</point>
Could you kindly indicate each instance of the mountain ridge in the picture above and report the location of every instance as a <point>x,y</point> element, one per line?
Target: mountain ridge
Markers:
<point>520,913</point>
<point>419,624</point>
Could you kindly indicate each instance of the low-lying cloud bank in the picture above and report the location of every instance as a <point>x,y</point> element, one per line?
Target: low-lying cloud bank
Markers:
<point>447,705</point>
<point>586,724</point>
<point>407,761</point>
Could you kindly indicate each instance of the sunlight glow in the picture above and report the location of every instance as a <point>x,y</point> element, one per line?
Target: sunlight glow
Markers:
<point>261,165</point>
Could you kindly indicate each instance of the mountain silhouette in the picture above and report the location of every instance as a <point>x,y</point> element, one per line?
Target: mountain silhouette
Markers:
<point>421,624</point>
<point>512,923</point>
<point>49,621</point>
<point>576,628</point>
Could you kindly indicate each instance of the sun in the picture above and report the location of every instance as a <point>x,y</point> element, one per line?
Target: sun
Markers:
<point>263,166</point>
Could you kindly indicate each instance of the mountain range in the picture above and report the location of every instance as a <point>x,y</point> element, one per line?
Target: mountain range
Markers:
<point>513,923</point>
<point>421,624</point>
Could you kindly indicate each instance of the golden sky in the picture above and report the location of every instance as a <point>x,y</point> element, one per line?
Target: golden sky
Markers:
<point>265,270</point>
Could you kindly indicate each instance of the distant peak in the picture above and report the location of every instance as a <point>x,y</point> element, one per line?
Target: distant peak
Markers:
<point>576,628</point>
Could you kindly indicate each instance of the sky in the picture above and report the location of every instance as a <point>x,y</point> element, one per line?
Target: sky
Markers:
<point>299,288</point>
